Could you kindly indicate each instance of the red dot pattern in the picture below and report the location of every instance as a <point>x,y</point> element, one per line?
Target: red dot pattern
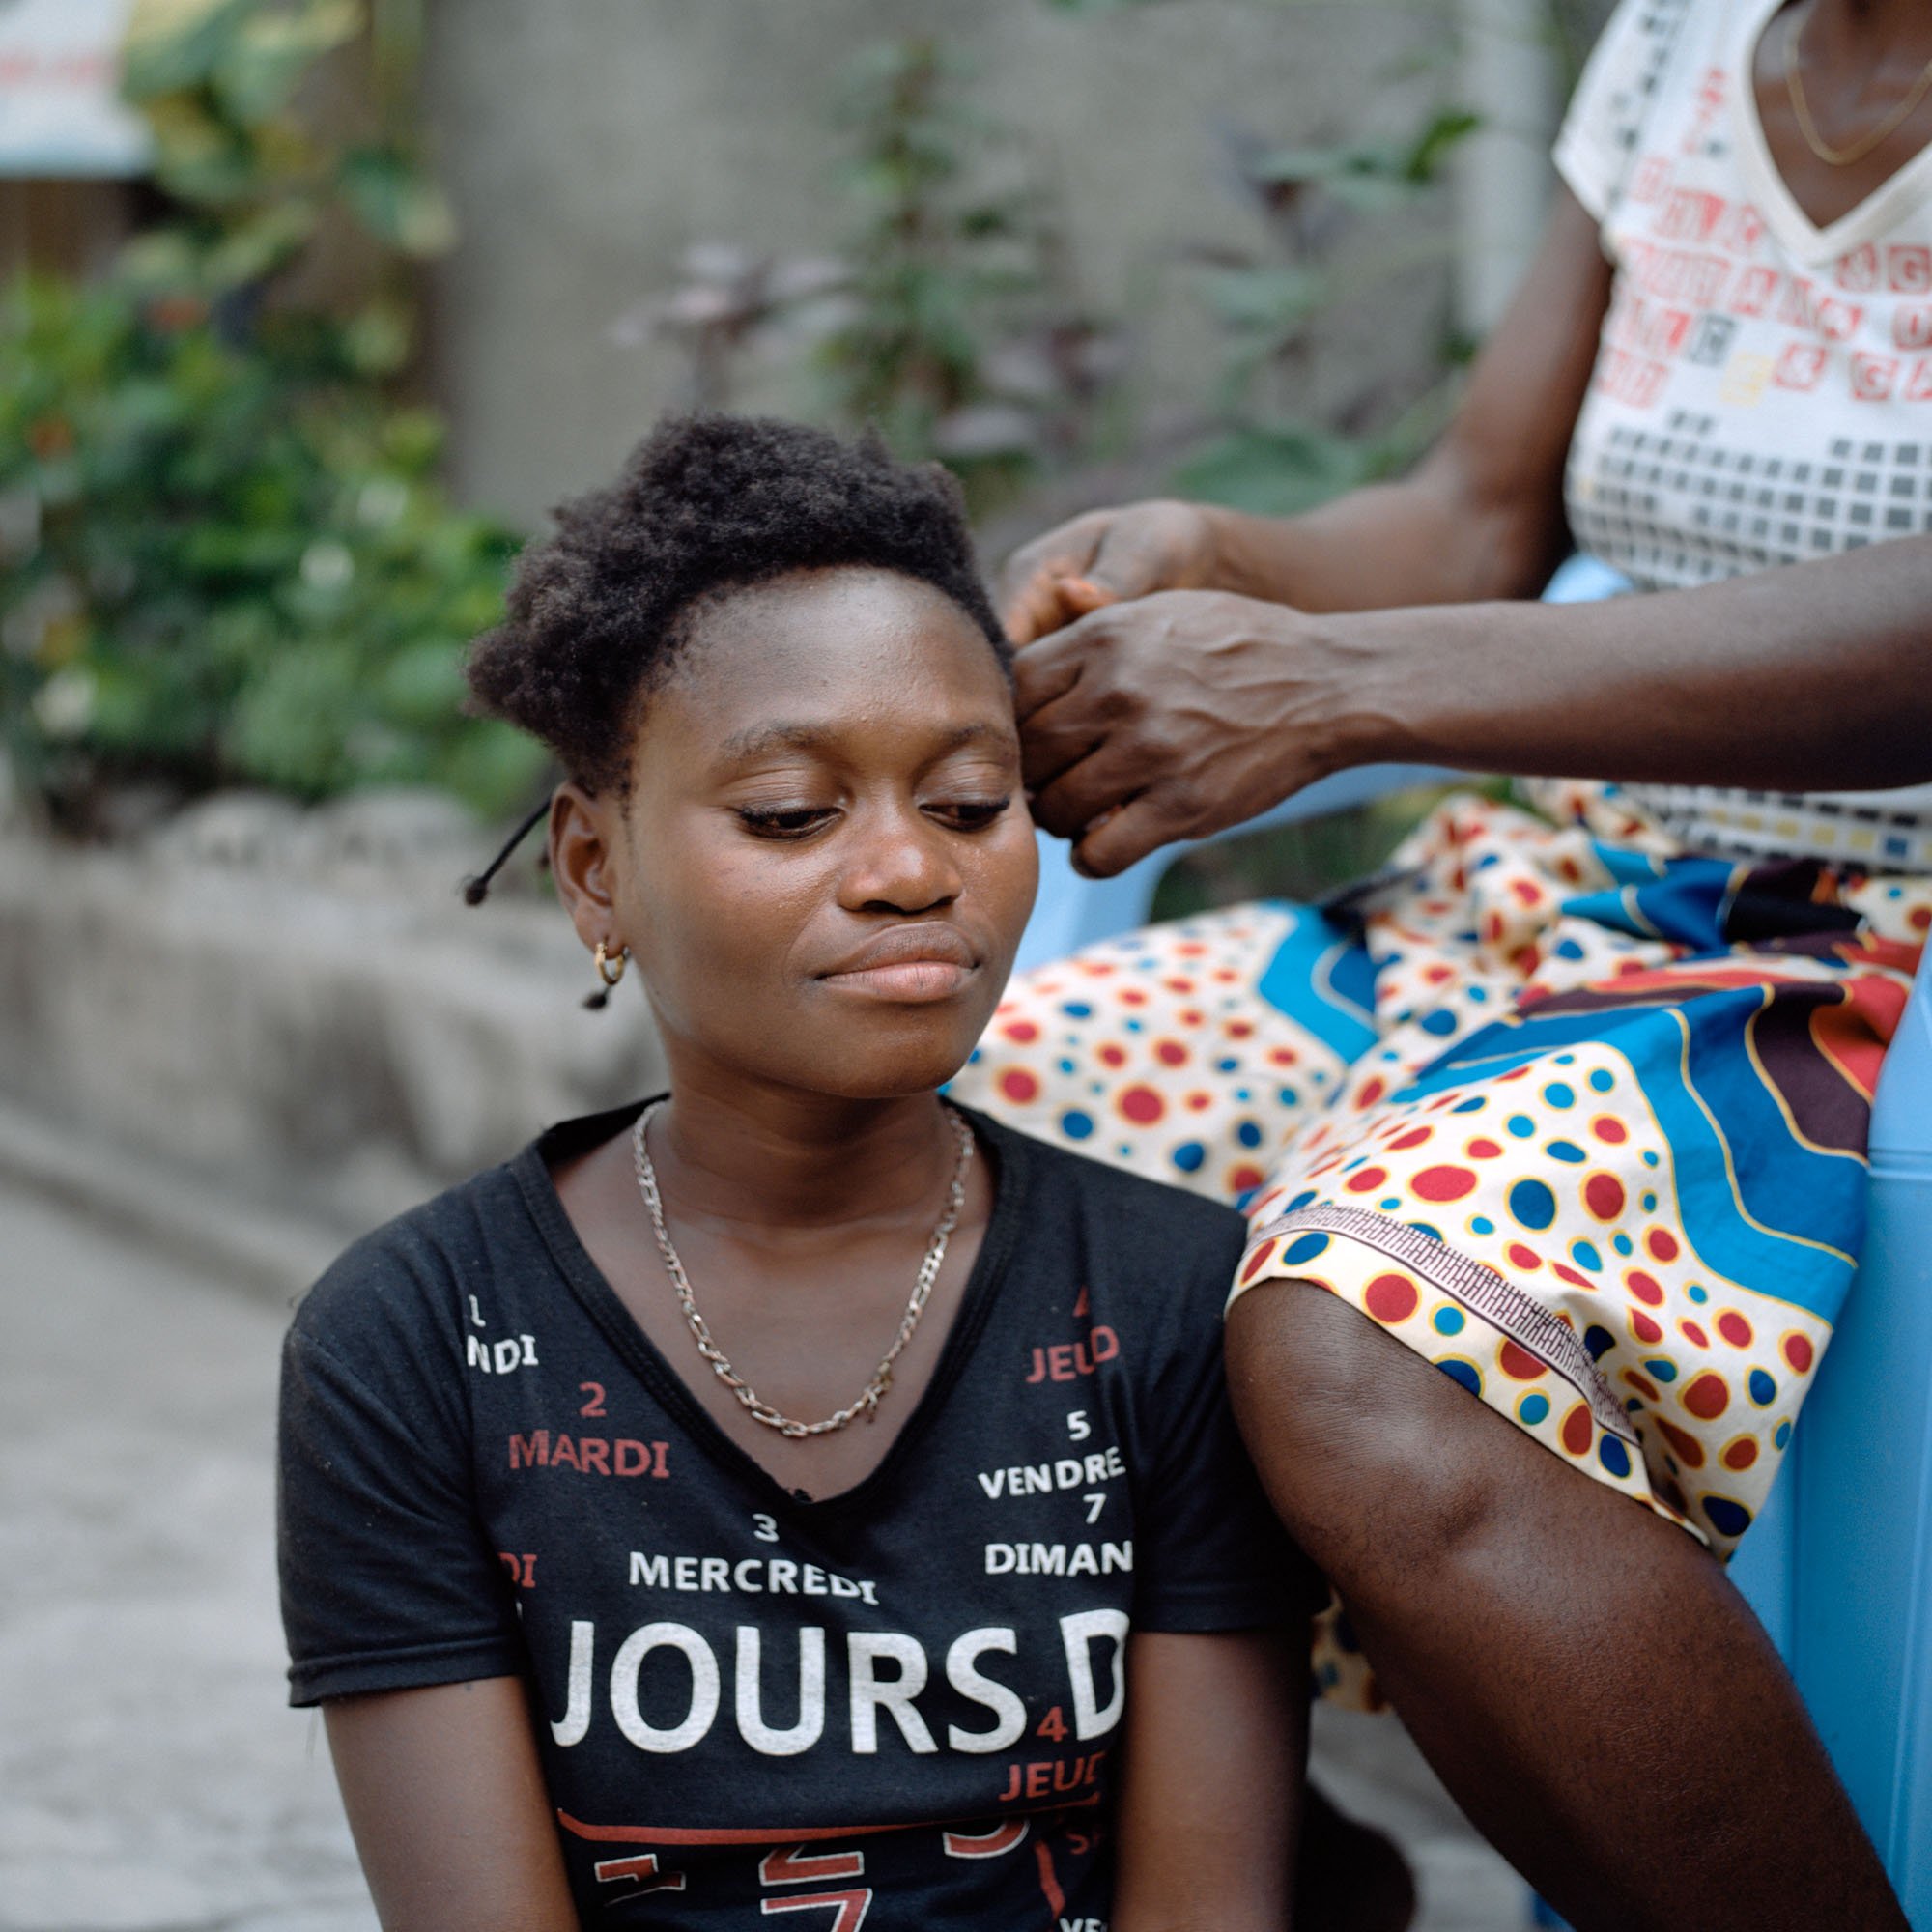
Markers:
<point>1211,1069</point>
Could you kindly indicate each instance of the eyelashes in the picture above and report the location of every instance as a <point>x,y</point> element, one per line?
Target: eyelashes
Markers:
<point>781,821</point>
<point>791,822</point>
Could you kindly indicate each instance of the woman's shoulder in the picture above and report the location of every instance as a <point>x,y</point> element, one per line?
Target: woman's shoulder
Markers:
<point>408,1276</point>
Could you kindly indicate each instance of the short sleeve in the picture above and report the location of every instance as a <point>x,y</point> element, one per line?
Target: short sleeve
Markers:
<point>1210,1552</point>
<point>386,1576</point>
<point>1604,122</point>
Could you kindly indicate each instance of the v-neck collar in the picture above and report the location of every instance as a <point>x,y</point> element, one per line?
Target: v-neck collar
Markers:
<point>643,1357</point>
<point>1797,233</point>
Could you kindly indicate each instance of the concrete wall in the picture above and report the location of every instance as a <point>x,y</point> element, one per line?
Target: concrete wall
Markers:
<point>302,1023</point>
<point>587,142</point>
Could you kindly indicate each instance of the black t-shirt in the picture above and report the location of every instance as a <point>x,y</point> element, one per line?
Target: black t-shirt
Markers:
<point>904,1699</point>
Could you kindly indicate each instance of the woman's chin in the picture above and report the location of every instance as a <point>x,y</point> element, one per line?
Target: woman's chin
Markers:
<point>895,1075</point>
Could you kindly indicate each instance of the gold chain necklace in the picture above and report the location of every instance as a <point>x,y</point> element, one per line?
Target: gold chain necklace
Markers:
<point>866,1403</point>
<point>1843,157</point>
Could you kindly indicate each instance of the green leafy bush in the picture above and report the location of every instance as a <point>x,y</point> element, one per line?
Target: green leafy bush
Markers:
<point>227,565</point>
<point>224,556</point>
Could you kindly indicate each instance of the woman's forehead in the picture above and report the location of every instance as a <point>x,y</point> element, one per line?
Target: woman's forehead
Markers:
<point>818,656</point>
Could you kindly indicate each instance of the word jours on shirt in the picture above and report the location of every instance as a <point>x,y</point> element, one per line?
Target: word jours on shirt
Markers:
<point>886,1673</point>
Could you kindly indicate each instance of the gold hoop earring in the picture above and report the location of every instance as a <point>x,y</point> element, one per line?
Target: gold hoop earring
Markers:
<point>610,969</point>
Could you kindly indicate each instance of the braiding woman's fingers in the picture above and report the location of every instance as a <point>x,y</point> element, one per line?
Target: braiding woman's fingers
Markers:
<point>1122,836</point>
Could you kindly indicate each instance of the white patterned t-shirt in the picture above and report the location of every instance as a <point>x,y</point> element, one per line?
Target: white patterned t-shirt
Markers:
<point>1763,391</point>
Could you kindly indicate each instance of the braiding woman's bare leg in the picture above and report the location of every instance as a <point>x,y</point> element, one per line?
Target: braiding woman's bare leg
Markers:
<point>1586,1682</point>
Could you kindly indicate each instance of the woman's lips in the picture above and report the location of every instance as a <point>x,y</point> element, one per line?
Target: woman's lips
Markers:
<point>910,983</point>
<point>909,965</point>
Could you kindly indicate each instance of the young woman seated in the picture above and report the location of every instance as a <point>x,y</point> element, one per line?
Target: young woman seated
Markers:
<point>793,1493</point>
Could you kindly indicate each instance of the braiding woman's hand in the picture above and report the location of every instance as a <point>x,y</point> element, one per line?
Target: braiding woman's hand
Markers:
<point>1176,716</point>
<point>1105,557</point>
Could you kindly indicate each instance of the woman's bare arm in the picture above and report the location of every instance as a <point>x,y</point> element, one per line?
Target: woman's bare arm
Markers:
<point>445,1797</point>
<point>1210,1800</point>
<point>1481,515</point>
<point>1191,711</point>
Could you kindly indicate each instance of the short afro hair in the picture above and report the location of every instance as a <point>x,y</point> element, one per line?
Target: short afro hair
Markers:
<point>709,503</point>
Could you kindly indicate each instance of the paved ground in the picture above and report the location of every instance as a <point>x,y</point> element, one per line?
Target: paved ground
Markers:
<point>151,1778</point>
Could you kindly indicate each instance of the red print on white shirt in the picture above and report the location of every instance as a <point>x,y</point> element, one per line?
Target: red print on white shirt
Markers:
<point>1873,377</point>
<point>1912,328</point>
<point>1909,268</point>
<point>1648,179</point>
<point>1691,214</point>
<point>1857,269</point>
<point>1800,366</point>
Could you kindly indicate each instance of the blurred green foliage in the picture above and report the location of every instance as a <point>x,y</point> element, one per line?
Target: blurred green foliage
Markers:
<point>1341,225</point>
<point>960,336</point>
<point>951,320</point>
<point>224,556</point>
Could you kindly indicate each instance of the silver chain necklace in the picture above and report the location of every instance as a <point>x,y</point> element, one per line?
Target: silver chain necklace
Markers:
<point>866,1403</point>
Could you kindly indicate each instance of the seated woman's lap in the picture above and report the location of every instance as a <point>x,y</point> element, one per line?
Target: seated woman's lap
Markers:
<point>1549,1120</point>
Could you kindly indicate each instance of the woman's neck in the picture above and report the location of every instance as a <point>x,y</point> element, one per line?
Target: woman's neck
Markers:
<point>764,1159</point>
<point>1866,31</point>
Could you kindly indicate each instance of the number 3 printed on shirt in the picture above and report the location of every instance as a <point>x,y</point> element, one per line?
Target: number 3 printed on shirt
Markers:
<point>767,1530</point>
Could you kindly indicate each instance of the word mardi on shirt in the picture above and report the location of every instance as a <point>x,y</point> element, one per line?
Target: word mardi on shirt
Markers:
<point>904,1700</point>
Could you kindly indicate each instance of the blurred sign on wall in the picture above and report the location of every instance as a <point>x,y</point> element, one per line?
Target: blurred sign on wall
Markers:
<point>60,110</point>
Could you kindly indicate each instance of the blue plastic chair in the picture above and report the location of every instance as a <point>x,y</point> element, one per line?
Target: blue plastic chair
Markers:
<point>1839,1565</point>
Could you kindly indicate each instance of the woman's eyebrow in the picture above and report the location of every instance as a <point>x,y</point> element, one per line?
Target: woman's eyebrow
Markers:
<point>759,740</point>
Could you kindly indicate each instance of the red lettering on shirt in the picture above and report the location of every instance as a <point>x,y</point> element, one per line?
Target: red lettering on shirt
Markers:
<point>1873,377</point>
<point>1795,307</point>
<point>589,1455</point>
<point>1744,231</point>
<point>1800,366</point>
<point>1857,268</point>
<point>795,1865</point>
<point>1691,214</point>
<point>1908,268</point>
<point>849,1908</point>
<point>1630,380</point>
<point>993,1844</point>
<point>1838,320</point>
<point>1053,1776</point>
<point>644,1868</point>
<point>1912,326</point>
<point>1649,179</point>
<point>1755,291</point>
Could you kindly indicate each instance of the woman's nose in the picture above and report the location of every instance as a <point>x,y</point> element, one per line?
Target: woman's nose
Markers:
<point>900,861</point>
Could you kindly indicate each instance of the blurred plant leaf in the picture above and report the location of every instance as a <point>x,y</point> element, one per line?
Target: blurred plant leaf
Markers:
<point>1276,472</point>
<point>172,44</point>
<point>272,51</point>
<point>1271,298</point>
<point>396,201</point>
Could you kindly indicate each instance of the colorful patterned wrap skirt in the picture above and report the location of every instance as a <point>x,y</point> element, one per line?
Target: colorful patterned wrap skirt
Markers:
<point>1578,1116</point>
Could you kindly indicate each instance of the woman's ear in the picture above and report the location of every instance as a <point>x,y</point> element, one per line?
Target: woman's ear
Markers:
<point>584,829</point>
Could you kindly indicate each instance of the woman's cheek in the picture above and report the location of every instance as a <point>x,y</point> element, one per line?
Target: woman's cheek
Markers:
<point>1011,880</point>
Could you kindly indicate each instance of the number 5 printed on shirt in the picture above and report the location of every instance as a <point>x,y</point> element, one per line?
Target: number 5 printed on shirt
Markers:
<point>1077,1425</point>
